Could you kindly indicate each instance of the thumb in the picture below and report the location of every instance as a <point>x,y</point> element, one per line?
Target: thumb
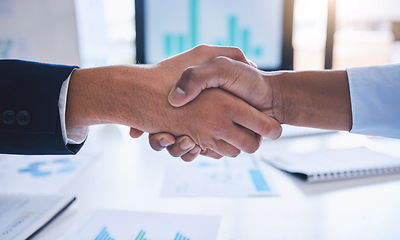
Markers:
<point>215,73</point>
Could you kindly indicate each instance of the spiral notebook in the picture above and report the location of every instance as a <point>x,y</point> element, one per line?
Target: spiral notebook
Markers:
<point>336,164</point>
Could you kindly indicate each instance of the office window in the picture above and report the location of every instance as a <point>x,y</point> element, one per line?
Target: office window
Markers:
<point>309,34</point>
<point>260,28</point>
<point>367,33</point>
<point>106,32</point>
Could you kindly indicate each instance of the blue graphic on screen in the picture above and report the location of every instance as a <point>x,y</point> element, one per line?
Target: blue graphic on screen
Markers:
<point>255,26</point>
<point>177,43</point>
<point>104,235</point>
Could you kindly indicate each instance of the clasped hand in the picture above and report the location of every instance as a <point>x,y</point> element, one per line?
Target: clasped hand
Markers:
<point>223,105</point>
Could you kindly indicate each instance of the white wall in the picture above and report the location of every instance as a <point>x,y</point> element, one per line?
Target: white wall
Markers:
<point>39,30</point>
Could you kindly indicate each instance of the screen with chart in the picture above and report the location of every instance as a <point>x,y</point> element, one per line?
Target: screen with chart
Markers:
<point>166,28</point>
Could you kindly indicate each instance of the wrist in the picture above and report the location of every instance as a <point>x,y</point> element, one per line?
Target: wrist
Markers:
<point>94,95</point>
<point>317,99</point>
<point>275,107</point>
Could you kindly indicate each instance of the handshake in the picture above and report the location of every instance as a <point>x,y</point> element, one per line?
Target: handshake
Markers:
<point>209,100</point>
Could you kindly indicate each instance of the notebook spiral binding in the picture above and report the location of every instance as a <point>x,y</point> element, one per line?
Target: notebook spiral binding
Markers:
<point>317,177</point>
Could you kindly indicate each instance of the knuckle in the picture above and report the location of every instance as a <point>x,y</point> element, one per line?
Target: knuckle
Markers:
<point>191,74</point>
<point>222,60</point>
<point>201,47</point>
<point>237,53</point>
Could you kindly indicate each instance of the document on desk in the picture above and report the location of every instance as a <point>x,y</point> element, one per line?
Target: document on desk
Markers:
<point>226,177</point>
<point>23,216</point>
<point>39,175</point>
<point>126,225</point>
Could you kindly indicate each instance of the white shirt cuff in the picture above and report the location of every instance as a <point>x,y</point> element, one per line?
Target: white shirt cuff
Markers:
<point>374,93</point>
<point>74,135</point>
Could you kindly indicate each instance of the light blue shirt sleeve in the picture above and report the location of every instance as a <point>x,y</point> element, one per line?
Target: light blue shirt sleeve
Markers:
<point>375,100</point>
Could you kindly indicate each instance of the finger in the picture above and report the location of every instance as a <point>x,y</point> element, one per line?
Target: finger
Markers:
<point>238,78</point>
<point>182,146</point>
<point>206,53</point>
<point>135,133</point>
<point>191,155</point>
<point>159,141</point>
<point>210,153</point>
<point>225,149</point>
<point>242,138</point>
<point>258,122</point>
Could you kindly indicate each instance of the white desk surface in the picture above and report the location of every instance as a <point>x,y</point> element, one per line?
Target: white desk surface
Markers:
<point>129,175</point>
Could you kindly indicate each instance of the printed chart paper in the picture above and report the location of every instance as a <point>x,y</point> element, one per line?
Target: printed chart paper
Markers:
<point>227,177</point>
<point>39,175</point>
<point>125,225</point>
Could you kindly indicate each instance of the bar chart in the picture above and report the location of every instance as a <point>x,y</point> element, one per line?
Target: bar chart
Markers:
<point>179,236</point>
<point>255,26</point>
<point>104,235</point>
<point>102,224</point>
<point>141,235</point>
<point>175,43</point>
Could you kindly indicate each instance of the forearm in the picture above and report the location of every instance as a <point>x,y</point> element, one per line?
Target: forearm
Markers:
<point>100,95</point>
<point>318,99</point>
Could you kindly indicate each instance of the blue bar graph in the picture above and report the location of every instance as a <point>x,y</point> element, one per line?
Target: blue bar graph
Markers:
<point>179,42</point>
<point>140,235</point>
<point>179,236</point>
<point>258,180</point>
<point>104,235</point>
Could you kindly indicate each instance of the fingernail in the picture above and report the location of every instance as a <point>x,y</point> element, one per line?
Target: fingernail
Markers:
<point>177,94</point>
<point>185,145</point>
<point>194,151</point>
<point>164,142</point>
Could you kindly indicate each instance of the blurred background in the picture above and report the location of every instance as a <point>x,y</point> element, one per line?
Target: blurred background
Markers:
<point>102,32</point>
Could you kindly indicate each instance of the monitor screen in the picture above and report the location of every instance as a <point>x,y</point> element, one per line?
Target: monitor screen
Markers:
<point>166,28</point>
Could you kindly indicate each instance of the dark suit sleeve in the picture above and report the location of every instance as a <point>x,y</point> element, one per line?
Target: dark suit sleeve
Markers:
<point>30,119</point>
